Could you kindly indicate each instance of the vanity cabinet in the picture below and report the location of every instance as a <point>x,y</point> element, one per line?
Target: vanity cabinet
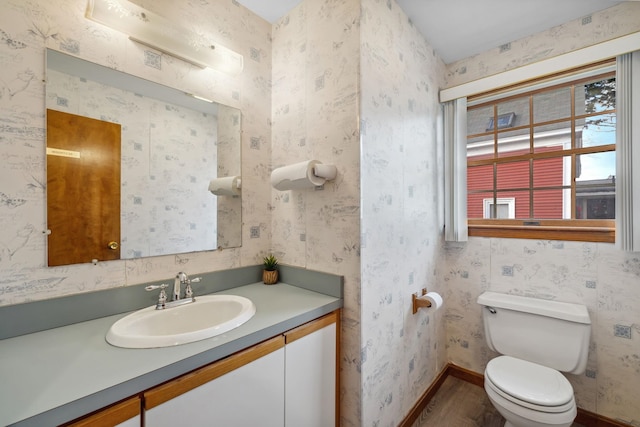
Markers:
<point>245,389</point>
<point>123,414</point>
<point>289,380</point>
<point>311,374</point>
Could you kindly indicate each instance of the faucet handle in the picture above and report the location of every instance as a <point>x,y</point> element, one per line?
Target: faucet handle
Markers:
<point>188,292</point>
<point>154,287</point>
<point>162,298</point>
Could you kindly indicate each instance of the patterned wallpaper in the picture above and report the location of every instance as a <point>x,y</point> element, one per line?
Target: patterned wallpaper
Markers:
<point>594,274</point>
<point>315,116</point>
<point>229,151</point>
<point>607,24</point>
<point>401,199</point>
<point>597,275</point>
<point>348,82</point>
<point>384,237</point>
<point>27,27</point>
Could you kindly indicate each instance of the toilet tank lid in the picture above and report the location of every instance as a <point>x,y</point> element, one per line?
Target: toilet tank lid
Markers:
<point>560,310</point>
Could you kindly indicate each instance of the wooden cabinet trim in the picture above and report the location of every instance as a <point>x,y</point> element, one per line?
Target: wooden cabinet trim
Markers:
<point>310,327</point>
<point>187,382</point>
<point>113,415</point>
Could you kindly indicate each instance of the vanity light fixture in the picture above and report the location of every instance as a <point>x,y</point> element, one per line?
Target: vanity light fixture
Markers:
<point>161,34</point>
<point>201,98</point>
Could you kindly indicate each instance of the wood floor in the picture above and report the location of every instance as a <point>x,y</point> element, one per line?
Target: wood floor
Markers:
<point>459,403</point>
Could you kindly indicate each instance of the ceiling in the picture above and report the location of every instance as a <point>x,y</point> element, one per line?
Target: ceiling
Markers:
<point>457,29</point>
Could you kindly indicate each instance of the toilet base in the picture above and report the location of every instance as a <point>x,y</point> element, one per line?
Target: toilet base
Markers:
<point>524,422</point>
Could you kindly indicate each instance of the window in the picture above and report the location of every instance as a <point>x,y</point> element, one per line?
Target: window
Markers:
<point>547,168</point>
<point>501,208</point>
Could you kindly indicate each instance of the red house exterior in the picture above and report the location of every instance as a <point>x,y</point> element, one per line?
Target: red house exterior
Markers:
<point>512,182</point>
<point>547,173</point>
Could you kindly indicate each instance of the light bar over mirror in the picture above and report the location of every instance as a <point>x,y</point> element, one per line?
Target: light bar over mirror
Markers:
<point>163,35</point>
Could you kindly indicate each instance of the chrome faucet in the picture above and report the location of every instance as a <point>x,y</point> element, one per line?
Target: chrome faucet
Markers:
<point>177,298</point>
<point>181,279</point>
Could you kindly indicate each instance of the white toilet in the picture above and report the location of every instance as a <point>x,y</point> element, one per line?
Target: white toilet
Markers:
<point>537,339</point>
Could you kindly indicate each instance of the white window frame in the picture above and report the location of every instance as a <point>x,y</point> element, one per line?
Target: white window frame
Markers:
<point>509,201</point>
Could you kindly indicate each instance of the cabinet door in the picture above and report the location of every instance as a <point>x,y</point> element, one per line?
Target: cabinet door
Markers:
<point>246,389</point>
<point>123,414</point>
<point>311,374</point>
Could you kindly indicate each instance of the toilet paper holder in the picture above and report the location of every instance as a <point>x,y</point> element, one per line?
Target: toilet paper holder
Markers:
<point>419,302</point>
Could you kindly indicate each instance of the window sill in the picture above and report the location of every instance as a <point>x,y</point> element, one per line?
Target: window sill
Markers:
<point>579,231</point>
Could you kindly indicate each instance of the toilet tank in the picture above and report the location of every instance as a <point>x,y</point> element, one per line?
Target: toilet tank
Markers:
<point>550,333</point>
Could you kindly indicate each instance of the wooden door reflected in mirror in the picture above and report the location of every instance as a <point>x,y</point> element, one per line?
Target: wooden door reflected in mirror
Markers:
<point>83,189</point>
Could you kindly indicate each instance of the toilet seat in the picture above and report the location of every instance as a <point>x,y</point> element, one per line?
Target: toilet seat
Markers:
<point>529,385</point>
<point>519,415</point>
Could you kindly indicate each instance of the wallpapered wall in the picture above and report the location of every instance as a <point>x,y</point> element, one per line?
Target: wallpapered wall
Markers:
<point>315,116</point>
<point>596,275</point>
<point>30,26</point>
<point>320,48</point>
<point>607,24</point>
<point>604,279</point>
<point>401,199</point>
<point>389,356</point>
<point>229,151</point>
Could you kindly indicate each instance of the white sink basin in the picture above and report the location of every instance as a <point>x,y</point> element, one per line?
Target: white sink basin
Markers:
<point>207,316</point>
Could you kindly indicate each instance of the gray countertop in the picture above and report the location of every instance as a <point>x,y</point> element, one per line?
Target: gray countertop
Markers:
<point>57,375</point>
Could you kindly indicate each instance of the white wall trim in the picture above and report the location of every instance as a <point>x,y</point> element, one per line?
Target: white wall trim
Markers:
<point>577,58</point>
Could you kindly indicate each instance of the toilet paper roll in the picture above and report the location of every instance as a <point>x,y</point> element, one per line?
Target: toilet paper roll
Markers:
<point>434,298</point>
<point>297,176</point>
<point>225,186</point>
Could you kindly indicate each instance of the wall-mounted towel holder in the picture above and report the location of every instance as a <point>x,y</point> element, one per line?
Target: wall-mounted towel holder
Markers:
<point>303,175</point>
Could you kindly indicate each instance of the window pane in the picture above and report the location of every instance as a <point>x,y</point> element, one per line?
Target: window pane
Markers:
<point>480,147</point>
<point>598,168</point>
<point>552,105</point>
<point>595,96</point>
<point>480,178</point>
<point>523,182</point>
<point>552,137</point>
<point>595,203</point>
<point>599,130</point>
<point>478,120</point>
<point>519,107</point>
<point>520,203</point>
<point>552,204</point>
<point>475,204</point>
<point>499,208</point>
<point>513,175</point>
<point>552,172</point>
<point>513,143</point>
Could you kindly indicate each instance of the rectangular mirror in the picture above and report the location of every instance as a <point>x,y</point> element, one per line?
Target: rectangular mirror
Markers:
<point>129,163</point>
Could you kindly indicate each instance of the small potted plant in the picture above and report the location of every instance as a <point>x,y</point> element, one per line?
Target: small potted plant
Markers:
<point>270,272</point>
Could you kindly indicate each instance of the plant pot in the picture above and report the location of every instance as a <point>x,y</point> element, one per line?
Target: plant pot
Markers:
<point>269,277</point>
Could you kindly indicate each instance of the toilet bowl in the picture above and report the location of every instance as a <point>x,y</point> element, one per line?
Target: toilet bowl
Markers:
<point>529,395</point>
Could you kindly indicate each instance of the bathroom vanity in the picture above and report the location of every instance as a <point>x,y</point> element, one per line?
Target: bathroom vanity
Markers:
<point>288,380</point>
<point>282,364</point>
